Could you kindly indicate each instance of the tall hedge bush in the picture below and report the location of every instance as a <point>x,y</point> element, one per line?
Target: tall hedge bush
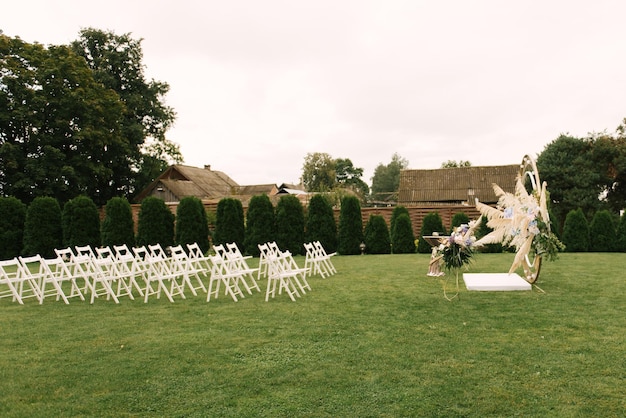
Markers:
<point>320,223</point>
<point>602,233</point>
<point>155,224</point>
<point>576,232</point>
<point>229,223</point>
<point>397,211</point>
<point>118,226</point>
<point>350,233</point>
<point>260,224</point>
<point>290,224</point>
<point>42,227</point>
<point>376,236</point>
<point>431,223</point>
<point>191,223</point>
<point>81,223</point>
<point>403,239</point>
<point>12,217</point>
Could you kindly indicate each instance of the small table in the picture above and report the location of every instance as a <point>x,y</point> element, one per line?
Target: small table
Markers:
<point>434,267</point>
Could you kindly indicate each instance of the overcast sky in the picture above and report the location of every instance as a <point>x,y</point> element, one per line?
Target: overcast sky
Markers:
<point>258,84</point>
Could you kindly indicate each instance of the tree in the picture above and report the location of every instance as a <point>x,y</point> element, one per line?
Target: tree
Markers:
<point>459,219</point>
<point>12,217</point>
<point>602,234</point>
<point>456,164</point>
<point>81,223</point>
<point>397,211</point>
<point>320,223</point>
<point>191,223</point>
<point>60,130</point>
<point>576,232</point>
<point>116,62</point>
<point>260,224</point>
<point>386,179</point>
<point>290,224</point>
<point>318,172</point>
<point>42,227</point>
<point>118,226</point>
<point>155,223</point>
<point>432,223</point>
<point>349,176</point>
<point>229,223</point>
<point>350,233</point>
<point>376,236</point>
<point>403,239</point>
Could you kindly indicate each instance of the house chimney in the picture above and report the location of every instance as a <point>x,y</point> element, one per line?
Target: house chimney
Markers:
<point>207,167</point>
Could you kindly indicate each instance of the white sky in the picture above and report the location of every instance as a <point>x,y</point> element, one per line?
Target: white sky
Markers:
<point>258,84</point>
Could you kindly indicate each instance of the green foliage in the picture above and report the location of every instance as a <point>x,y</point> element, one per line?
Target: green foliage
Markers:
<point>376,236</point>
<point>229,223</point>
<point>290,224</point>
<point>60,127</point>
<point>12,217</point>
<point>116,62</point>
<point>42,227</point>
<point>81,223</point>
<point>576,232</point>
<point>456,164</point>
<point>349,176</point>
<point>403,239</point>
<point>350,234</point>
<point>397,211</point>
<point>191,223</point>
<point>118,226</point>
<point>431,223</point>
<point>320,223</point>
<point>482,230</point>
<point>602,232</point>
<point>386,179</point>
<point>459,219</point>
<point>318,172</point>
<point>155,224</point>
<point>621,234</point>
<point>260,224</point>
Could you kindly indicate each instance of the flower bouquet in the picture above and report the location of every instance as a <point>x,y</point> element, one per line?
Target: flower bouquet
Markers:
<point>457,251</point>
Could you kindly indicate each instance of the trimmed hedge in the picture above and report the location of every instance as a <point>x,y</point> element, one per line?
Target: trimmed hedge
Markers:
<point>376,236</point>
<point>350,233</point>
<point>290,224</point>
<point>42,227</point>
<point>320,223</point>
<point>432,223</point>
<point>81,223</point>
<point>191,224</point>
<point>12,217</point>
<point>260,224</point>
<point>602,236</point>
<point>229,223</point>
<point>403,239</point>
<point>576,232</point>
<point>156,223</point>
<point>118,226</point>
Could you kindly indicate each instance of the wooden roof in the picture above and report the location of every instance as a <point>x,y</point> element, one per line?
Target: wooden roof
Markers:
<point>184,180</point>
<point>455,185</point>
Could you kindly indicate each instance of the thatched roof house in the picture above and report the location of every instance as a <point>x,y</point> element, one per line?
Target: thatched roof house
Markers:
<point>454,186</point>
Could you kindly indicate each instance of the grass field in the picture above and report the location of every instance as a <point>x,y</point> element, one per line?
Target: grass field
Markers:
<point>377,339</point>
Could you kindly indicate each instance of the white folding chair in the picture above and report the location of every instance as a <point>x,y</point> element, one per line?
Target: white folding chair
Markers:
<point>240,264</point>
<point>129,266</point>
<point>98,281</point>
<point>198,259</point>
<point>313,262</point>
<point>20,284</point>
<point>222,274</point>
<point>113,273</point>
<point>325,258</point>
<point>159,277</point>
<point>183,266</point>
<point>60,270</point>
<point>42,275</point>
<point>279,279</point>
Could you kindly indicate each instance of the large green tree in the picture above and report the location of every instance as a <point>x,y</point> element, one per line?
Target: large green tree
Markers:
<point>386,179</point>
<point>116,62</point>
<point>60,130</point>
<point>350,177</point>
<point>318,172</point>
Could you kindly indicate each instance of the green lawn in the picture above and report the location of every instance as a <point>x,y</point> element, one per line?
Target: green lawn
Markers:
<point>377,339</point>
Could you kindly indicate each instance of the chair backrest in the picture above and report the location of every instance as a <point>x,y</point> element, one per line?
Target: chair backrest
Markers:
<point>85,250</point>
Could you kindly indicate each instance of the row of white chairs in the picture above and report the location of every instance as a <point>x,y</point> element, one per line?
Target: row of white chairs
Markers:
<point>103,272</point>
<point>318,261</point>
<point>282,272</point>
